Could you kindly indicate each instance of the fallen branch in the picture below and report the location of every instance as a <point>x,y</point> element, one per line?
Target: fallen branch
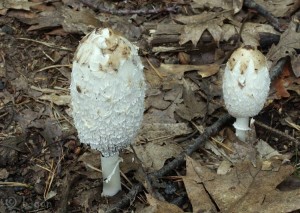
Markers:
<point>95,5</point>
<point>178,161</point>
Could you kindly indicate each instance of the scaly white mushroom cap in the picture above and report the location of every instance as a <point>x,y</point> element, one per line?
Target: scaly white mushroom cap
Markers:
<point>107,90</point>
<point>246,82</point>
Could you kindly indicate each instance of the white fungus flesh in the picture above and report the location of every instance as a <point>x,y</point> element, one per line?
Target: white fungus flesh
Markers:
<point>246,85</point>
<point>107,90</point>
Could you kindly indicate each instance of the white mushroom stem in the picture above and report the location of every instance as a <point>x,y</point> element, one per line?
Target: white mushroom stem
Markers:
<point>111,175</point>
<point>241,126</point>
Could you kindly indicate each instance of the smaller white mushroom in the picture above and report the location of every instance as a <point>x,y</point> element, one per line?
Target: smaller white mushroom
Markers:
<point>246,85</point>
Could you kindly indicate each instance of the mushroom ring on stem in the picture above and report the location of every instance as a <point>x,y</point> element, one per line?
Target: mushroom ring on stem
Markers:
<point>246,85</point>
<point>107,91</point>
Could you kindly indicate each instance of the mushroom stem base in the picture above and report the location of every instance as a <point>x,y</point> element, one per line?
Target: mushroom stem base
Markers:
<point>111,175</point>
<point>241,126</point>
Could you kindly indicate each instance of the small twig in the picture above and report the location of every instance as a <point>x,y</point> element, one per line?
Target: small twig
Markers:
<point>14,184</point>
<point>46,90</point>
<point>180,140</point>
<point>48,56</point>
<point>222,145</point>
<point>263,12</point>
<point>178,161</point>
<point>47,44</point>
<point>277,132</point>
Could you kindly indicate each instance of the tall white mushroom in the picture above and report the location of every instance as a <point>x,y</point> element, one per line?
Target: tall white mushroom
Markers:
<point>107,91</point>
<point>246,85</point>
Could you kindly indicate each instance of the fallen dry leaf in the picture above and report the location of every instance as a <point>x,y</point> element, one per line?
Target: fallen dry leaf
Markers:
<point>160,116</point>
<point>157,206</point>
<point>3,174</point>
<point>157,101</point>
<point>224,168</point>
<point>87,197</point>
<point>91,160</point>
<point>196,192</point>
<point>20,83</point>
<point>295,86</point>
<point>282,83</point>
<point>27,118</point>
<point>197,24</point>
<point>26,17</point>
<point>235,5</point>
<point>81,21</point>
<point>193,33</point>
<point>161,105</point>
<point>153,80</point>
<point>250,33</point>
<point>268,199</point>
<point>9,150</point>
<point>6,97</point>
<point>153,156</point>
<point>163,131</point>
<point>46,20</point>
<point>195,19</point>
<point>229,31</point>
<point>265,151</point>
<point>191,107</point>
<point>249,189</point>
<point>17,4</point>
<point>289,41</point>
<point>295,62</point>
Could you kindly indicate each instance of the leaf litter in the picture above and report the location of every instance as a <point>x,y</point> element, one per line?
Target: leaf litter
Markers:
<point>184,46</point>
